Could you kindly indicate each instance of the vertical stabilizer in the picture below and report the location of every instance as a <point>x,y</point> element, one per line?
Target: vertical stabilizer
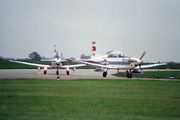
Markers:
<point>55,52</point>
<point>93,49</point>
<point>54,49</point>
<point>94,54</point>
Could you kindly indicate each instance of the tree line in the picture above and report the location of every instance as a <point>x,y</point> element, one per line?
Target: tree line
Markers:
<point>34,56</point>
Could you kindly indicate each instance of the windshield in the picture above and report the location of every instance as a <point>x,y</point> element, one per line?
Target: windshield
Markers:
<point>115,55</point>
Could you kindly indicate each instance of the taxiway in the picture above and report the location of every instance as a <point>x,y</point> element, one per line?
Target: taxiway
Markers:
<point>51,74</point>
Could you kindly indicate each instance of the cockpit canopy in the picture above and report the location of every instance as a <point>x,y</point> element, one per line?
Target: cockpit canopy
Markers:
<point>115,54</point>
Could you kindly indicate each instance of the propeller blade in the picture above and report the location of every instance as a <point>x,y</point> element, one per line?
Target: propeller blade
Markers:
<point>140,68</point>
<point>140,59</point>
<point>143,55</point>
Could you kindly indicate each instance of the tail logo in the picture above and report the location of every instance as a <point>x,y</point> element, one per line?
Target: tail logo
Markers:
<point>105,62</point>
<point>93,48</point>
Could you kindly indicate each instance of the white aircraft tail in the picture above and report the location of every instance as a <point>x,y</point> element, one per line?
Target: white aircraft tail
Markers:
<point>55,52</point>
<point>55,55</point>
<point>94,54</point>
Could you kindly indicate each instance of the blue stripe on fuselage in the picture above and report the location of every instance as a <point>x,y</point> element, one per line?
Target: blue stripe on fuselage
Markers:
<point>119,63</point>
<point>112,63</point>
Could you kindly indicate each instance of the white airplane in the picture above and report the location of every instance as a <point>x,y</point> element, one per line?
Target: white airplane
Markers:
<point>115,60</point>
<point>56,64</point>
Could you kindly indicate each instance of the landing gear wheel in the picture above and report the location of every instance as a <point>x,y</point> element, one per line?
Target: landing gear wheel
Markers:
<point>67,72</point>
<point>45,72</point>
<point>104,74</point>
<point>129,75</point>
<point>57,72</point>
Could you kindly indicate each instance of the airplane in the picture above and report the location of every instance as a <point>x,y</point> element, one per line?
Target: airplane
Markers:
<point>115,60</point>
<point>56,64</point>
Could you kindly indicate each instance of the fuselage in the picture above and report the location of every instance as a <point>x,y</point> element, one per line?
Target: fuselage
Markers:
<point>116,60</point>
<point>56,63</point>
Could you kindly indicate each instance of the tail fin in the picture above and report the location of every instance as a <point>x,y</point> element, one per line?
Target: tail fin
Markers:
<point>93,50</point>
<point>51,59</point>
<point>56,53</point>
<point>54,49</point>
<point>94,54</point>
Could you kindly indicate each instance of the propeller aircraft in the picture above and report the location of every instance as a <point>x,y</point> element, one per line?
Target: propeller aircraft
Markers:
<point>56,64</point>
<point>116,60</point>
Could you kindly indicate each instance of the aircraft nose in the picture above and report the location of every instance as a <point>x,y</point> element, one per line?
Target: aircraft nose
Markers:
<point>135,60</point>
<point>58,62</point>
<point>138,61</point>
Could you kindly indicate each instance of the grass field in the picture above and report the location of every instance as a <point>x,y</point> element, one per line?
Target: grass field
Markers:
<point>89,99</point>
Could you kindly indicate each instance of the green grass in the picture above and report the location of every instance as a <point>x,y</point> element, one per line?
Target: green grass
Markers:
<point>89,99</point>
<point>153,74</point>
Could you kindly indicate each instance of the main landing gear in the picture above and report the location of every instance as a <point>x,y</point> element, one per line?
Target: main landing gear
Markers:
<point>67,71</point>
<point>45,70</point>
<point>105,74</point>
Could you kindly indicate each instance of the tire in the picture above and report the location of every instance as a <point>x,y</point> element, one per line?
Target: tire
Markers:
<point>104,74</point>
<point>129,75</point>
<point>67,72</point>
<point>57,72</point>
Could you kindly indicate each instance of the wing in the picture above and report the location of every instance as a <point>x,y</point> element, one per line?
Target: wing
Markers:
<point>32,64</point>
<point>72,66</point>
<point>151,65</point>
<point>95,65</point>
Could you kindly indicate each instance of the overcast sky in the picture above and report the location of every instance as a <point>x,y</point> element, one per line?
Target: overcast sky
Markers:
<point>130,26</point>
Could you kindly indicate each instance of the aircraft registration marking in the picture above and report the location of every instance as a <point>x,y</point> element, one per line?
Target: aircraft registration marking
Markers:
<point>105,62</point>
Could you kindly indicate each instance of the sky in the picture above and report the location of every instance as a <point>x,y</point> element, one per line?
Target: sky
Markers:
<point>129,26</point>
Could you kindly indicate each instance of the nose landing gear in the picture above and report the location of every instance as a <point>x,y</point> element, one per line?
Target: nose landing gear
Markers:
<point>129,74</point>
<point>57,72</point>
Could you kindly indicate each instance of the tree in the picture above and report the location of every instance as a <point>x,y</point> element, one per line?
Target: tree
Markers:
<point>35,56</point>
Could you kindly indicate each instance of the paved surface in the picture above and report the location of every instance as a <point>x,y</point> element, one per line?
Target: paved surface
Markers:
<point>51,74</point>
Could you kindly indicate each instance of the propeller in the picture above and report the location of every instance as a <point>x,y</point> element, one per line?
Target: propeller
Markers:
<point>140,59</point>
<point>143,55</point>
